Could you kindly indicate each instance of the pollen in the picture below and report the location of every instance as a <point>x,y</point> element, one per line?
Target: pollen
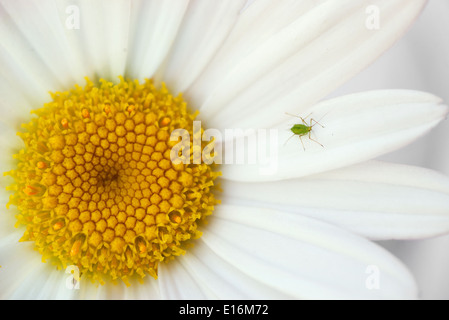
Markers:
<point>95,187</point>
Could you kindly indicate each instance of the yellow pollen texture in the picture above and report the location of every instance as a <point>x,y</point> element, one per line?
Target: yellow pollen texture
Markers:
<point>95,186</point>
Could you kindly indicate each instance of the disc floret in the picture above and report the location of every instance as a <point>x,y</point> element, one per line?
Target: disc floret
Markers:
<point>94,184</point>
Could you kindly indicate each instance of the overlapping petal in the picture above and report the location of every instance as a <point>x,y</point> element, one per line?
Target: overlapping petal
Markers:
<point>205,26</point>
<point>287,55</point>
<point>253,64</point>
<point>290,256</point>
<point>155,25</point>
<point>375,199</point>
<point>357,128</point>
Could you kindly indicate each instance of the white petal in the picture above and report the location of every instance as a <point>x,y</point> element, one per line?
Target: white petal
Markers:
<point>118,290</point>
<point>294,255</point>
<point>23,275</point>
<point>51,46</point>
<point>376,200</point>
<point>26,74</point>
<point>204,28</point>
<point>14,105</point>
<point>64,42</point>
<point>11,144</point>
<point>202,274</point>
<point>116,33</point>
<point>177,282</point>
<point>287,55</point>
<point>357,128</point>
<point>154,27</point>
<point>100,39</point>
<point>149,290</point>
<point>31,38</point>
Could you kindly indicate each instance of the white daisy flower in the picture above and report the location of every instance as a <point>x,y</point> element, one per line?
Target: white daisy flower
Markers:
<point>90,204</point>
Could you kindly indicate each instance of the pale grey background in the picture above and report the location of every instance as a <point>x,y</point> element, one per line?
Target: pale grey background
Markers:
<point>419,61</point>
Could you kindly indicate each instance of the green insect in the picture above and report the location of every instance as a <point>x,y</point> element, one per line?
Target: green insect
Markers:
<point>303,129</point>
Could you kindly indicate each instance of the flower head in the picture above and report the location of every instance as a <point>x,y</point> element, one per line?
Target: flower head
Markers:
<point>95,187</point>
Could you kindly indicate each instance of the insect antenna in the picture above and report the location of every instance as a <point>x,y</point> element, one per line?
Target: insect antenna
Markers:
<point>292,115</point>
<point>321,119</point>
<point>316,122</point>
<point>302,119</point>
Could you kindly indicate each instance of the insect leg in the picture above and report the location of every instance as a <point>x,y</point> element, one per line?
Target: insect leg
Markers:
<point>310,138</point>
<point>289,139</point>
<point>302,143</point>
<point>303,119</point>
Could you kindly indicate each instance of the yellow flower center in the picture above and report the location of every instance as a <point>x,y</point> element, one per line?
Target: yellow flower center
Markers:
<point>95,186</point>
